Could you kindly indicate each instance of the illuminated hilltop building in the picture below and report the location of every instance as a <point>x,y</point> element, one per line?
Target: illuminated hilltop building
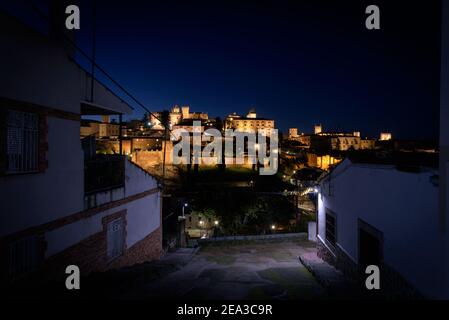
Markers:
<point>293,133</point>
<point>384,136</point>
<point>250,123</point>
<point>177,116</point>
<point>341,141</point>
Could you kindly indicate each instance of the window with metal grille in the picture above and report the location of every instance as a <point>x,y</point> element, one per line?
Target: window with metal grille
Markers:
<point>23,256</point>
<point>331,228</point>
<point>22,142</point>
<point>115,238</point>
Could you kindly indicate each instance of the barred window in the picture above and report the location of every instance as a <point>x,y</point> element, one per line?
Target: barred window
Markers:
<point>22,141</point>
<point>23,256</point>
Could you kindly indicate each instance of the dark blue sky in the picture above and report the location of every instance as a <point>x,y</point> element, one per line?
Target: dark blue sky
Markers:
<point>299,62</point>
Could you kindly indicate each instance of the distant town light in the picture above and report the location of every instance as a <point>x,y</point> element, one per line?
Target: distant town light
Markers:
<point>273,227</point>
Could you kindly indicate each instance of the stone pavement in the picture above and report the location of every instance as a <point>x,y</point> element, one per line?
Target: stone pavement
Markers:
<point>336,284</point>
<point>238,270</point>
<point>118,283</point>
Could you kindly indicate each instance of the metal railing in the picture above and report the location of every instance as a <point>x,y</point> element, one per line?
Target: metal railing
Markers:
<point>22,138</point>
<point>103,173</point>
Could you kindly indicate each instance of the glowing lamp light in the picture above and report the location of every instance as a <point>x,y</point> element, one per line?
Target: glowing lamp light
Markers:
<point>201,223</point>
<point>273,227</point>
<point>216,222</point>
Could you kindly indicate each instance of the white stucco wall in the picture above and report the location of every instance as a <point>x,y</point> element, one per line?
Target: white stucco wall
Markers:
<point>36,198</point>
<point>137,180</point>
<point>401,205</point>
<point>143,215</point>
<point>38,70</point>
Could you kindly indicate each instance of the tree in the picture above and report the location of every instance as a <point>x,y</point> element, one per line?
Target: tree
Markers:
<point>145,118</point>
<point>244,213</point>
<point>219,125</point>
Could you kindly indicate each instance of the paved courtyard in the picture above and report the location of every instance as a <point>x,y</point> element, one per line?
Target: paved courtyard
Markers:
<point>258,270</point>
<point>239,270</point>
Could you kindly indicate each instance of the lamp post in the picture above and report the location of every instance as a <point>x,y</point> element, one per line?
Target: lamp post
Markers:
<point>184,206</point>
<point>182,220</point>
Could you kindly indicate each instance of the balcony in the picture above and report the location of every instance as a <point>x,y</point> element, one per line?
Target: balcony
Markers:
<point>104,179</point>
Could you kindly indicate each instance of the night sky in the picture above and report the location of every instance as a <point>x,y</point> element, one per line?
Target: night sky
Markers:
<point>299,62</point>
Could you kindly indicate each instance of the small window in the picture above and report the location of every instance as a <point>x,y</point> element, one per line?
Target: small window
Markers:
<point>331,228</point>
<point>115,238</point>
<point>23,256</point>
<point>22,143</point>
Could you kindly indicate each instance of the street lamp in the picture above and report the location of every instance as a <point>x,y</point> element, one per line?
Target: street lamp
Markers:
<point>185,205</point>
<point>181,220</point>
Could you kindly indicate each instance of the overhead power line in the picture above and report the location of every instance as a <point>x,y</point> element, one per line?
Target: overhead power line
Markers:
<point>102,70</point>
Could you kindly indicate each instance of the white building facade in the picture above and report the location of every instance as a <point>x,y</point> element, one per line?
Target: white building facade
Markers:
<point>58,207</point>
<point>378,214</point>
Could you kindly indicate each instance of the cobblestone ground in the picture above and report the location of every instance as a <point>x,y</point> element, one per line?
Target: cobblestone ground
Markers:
<point>258,270</point>
<point>285,270</point>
